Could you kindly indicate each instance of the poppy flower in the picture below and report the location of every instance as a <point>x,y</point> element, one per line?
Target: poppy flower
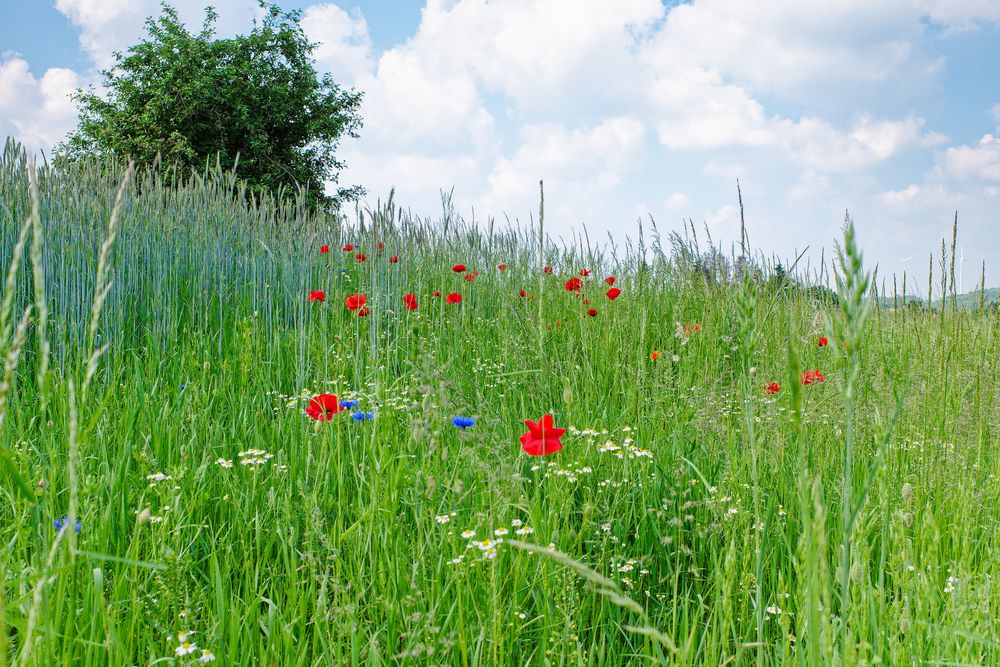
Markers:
<point>610,280</point>
<point>654,355</point>
<point>363,311</point>
<point>463,422</point>
<point>323,407</point>
<point>410,301</point>
<point>355,301</point>
<point>458,268</point>
<point>394,259</point>
<point>547,270</point>
<point>584,272</point>
<point>435,293</point>
<point>542,437</point>
<point>586,302</point>
<point>471,276</point>
<point>770,389</point>
<point>380,246</point>
<point>360,257</point>
<point>691,328</point>
<point>823,341</point>
<point>323,249</point>
<point>574,285</point>
<point>592,312</point>
<point>454,297</point>
<point>522,293</point>
<point>809,377</point>
<point>613,293</point>
<point>317,295</point>
<point>347,247</point>
<point>502,267</point>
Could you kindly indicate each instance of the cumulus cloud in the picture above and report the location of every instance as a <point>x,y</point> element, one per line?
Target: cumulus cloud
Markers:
<point>107,26</point>
<point>36,111</point>
<point>345,47</point>
<point>980,162</point>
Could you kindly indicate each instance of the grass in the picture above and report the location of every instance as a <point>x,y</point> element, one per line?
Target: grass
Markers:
<point>688,519</point>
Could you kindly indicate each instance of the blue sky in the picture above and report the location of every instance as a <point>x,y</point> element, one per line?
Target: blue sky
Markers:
<point>627,108</point>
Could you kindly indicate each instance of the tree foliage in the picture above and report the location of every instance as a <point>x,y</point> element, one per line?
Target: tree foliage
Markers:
<point>254,102</point>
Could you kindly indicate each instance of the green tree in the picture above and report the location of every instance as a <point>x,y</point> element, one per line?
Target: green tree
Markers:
<point>254,100</point>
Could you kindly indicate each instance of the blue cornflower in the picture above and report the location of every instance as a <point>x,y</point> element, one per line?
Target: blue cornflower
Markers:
<point>361,416</point>
<point>347,405</point>
<point>463,422</point>
<point>59,523</point>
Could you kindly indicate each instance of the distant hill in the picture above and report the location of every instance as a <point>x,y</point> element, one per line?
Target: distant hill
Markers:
<point>967,301</point>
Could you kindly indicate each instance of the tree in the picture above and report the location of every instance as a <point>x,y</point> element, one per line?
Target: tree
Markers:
<point>254,101</point>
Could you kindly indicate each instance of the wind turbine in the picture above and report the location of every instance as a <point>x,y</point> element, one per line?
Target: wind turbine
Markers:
<point>904,261</point>
<point>961,270</point>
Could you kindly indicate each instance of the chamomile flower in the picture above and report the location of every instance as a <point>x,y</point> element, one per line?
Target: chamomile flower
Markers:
<point>186,648</point>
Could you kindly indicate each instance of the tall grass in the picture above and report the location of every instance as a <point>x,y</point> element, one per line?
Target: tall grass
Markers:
<point>689,518</point>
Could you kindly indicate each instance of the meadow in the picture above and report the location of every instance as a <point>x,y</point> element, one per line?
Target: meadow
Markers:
<point>751,472</point>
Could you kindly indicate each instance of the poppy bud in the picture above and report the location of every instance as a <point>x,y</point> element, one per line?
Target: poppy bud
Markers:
<point>907,492</point>
<point>567,394</point>
<point>143,517</point>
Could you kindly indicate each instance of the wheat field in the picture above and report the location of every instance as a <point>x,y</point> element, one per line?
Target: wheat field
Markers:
<point>761,465</point>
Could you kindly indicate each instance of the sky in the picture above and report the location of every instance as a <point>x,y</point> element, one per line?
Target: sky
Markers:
<point>627,109</point>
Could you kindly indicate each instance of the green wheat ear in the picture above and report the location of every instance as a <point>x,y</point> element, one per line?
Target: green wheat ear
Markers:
<point>852,287</point>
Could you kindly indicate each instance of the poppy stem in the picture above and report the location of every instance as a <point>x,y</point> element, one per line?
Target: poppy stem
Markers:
<point>541,277</point>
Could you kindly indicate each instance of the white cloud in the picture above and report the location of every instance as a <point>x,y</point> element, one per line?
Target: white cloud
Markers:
<point>37,112</point>
<point>899,197</point>
<point>345,47</point>
<point>114,25</point>
<point>678,201</point>
<point>981,161</point>
<point>962,14</point>
<point>582,166</point>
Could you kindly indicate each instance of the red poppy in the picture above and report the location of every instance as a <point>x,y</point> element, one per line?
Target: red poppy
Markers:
<point>380,246</point>
<point>548,270</point>
<point>542,437</point>
<point>435,293</point>
<point>502,267</point>
<point>610,280</point>
<point>458,268</point>
<point>691,328</point>
<point>654,355</point>
<point>772,388</point>
<point>348,248</point>
<point>410,301</point>
<point>317,295</point>
<point>586,302</point>
<point>323,407</point>
<point>592,312</point>
<point>809,377</point>
<point>394,259</point>
<point>323,249</point>
<point>613,293</point>
<point>471,276</point>
<point>355,301</point>
<point>360,257</point>
<point>363,311</point>
<point>522,293</point>
<point>823,341</point>
<point>574,285</point>
<point>454,297</point>
<point>584,272</point>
